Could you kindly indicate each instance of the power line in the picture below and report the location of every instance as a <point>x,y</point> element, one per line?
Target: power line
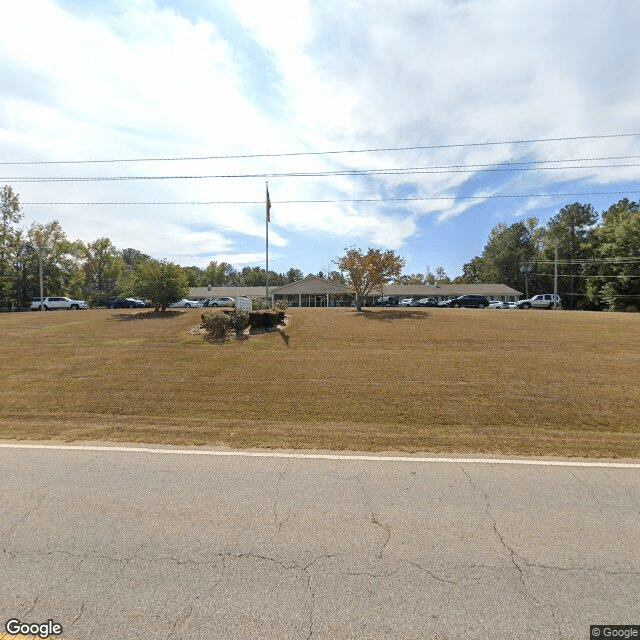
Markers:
<point>311,174</point>
<point>576,275</point>
<point>333,152</point>
<point>587,261</point>
<point>338,200</point>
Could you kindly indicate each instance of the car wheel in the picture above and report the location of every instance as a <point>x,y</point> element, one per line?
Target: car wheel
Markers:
<point>45,307</point>
<point>215,304</point>
<point>526,306</point>
<point>456,305</point>
<point>75,307</point>
<point>187,306</point>
<point>551,306</point>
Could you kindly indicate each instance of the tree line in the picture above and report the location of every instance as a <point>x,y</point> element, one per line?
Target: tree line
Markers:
<point>96,270</point>
<point>598,261</point>
<point>597,257</point>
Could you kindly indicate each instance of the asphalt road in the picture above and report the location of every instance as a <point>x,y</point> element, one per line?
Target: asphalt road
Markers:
<point>131,545</point>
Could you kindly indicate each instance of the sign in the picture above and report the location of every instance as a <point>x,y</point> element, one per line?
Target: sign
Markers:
<point>243,303</point>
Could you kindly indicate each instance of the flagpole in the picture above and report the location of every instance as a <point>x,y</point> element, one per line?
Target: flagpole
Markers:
<point>267,216</point>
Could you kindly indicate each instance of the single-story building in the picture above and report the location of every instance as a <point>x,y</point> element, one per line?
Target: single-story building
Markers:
<point>318,292</point>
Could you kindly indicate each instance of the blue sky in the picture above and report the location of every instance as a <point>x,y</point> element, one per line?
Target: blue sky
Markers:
<point>149,79</point>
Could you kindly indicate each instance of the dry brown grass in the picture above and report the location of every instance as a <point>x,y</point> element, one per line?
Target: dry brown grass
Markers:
<point>439,380</point>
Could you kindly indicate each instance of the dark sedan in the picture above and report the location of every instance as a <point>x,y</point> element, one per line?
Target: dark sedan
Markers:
<point>125,303</point>
<point>470,300</point>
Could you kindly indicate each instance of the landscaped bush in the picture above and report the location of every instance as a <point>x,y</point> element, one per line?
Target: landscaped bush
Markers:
<point>258,303</point>
<point>217,324</point>
<point>239,320</point>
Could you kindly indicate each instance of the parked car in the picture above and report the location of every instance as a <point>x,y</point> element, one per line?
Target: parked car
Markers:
<point>125,303</point>
<point>405,302</point>
<point>542,301</point>
<point>223,301</point>
<point>387,301</point>
<point>428,302</point>
<point>184,303</point>
<point>58,302</point>
<point>470,300</point>
<point>499,304</point>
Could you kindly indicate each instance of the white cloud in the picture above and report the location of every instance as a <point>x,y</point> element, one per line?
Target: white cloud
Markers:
<point>134,80</point>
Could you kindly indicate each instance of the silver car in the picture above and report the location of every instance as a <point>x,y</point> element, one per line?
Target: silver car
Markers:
<point>184,303</point>
<point>223,301</point>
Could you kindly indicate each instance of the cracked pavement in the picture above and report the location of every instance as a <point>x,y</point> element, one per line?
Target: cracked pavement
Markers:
<point>126,545</point>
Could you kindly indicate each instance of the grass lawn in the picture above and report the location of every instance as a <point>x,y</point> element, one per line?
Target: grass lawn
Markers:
<point>432,380</point>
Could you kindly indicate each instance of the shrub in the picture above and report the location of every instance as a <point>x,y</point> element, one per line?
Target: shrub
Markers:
<point>217,324</point>
<point>239,320</point>
<point>258,303</point>
<point>282,304</point>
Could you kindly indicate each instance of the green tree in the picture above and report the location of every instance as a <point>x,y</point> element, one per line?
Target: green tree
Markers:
<point>613,281</point>
<point>414,278</point>
<point>256,277</point>
<point>293,275</point>
<point>9,242</point>
<point>336,276</point>
<point>132,258</point>
<point>508,249</point>
<point>441,276</point>
<point>195,276</point>
<point>369,271</point>
<point>219,274</point>
<point>252,277</point>
<point>103,265</point>
<point>57,259</point>
<point>474,272</point>
<point>161,282</point>
<point>570,231</point>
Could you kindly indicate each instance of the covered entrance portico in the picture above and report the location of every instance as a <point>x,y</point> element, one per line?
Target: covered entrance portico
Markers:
<point>314,292</point>
<point>316,300</point>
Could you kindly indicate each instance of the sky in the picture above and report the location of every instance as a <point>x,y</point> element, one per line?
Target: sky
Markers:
<point>189,107</point>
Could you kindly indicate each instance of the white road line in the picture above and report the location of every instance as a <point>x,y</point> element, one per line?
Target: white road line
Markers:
<point>325,456</point>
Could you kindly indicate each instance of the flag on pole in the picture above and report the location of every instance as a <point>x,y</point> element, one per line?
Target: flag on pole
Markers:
<point>268,205</point>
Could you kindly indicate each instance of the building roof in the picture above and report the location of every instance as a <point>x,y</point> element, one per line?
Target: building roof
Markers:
<point>319,286</point>
<point>312,285</point>
<point>431,290</point>
<point>232,292</point>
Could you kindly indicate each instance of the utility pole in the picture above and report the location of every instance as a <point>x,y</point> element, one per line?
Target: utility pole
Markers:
<point>268,218</point>
<point>526,269</point>
<point>39,241</point>
<point>555,279</point>
<point>41,279</point>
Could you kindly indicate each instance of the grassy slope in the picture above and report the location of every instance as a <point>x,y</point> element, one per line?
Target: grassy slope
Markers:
<point>491,381</point>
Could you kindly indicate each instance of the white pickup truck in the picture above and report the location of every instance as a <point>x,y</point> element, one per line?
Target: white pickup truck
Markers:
<point>58,302</point>
<point>542,301</point>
